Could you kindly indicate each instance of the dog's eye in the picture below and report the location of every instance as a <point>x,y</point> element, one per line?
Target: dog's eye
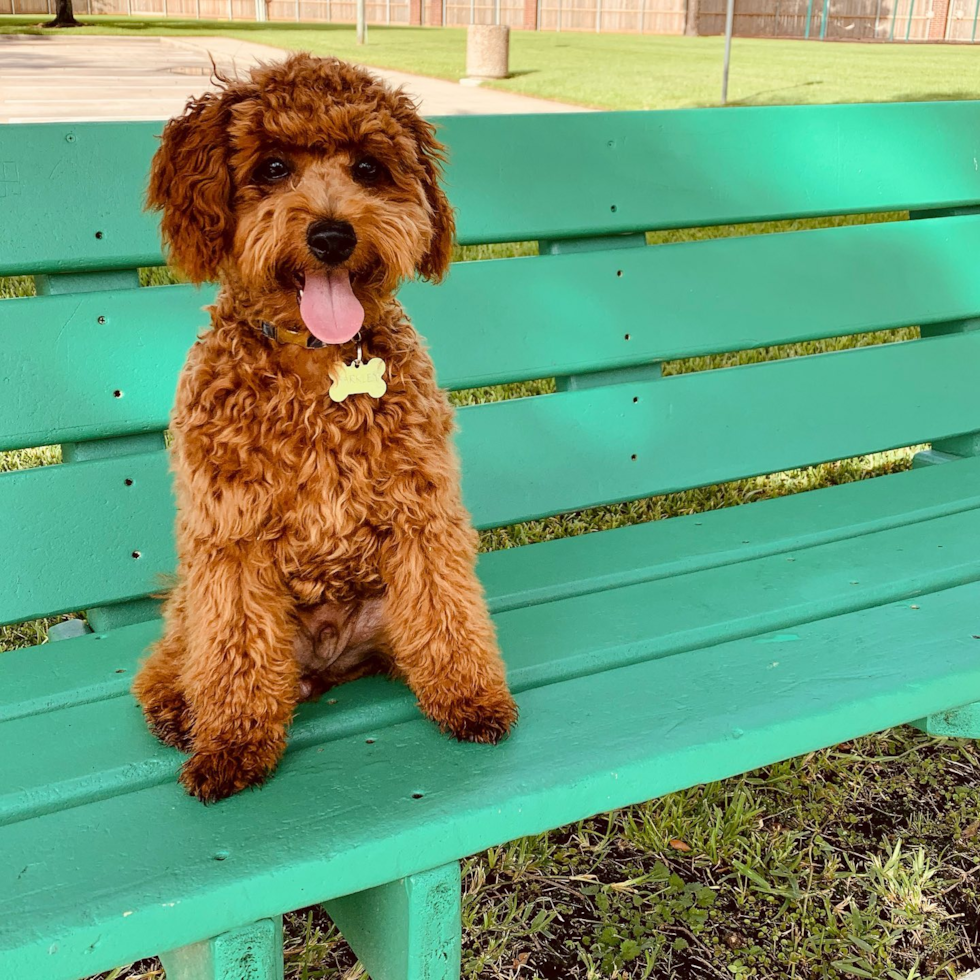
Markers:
<point>272,170</point>
<point>367,170</point>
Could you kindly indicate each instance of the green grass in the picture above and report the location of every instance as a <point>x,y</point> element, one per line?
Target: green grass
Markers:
<point>619,71</point>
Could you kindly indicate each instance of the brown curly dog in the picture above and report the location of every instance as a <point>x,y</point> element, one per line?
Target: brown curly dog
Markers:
<point>318,540</point>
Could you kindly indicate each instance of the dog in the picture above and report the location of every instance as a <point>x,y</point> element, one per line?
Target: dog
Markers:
<point>319,537</point>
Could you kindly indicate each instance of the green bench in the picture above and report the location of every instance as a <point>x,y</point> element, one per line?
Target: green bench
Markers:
<point>645,659</point>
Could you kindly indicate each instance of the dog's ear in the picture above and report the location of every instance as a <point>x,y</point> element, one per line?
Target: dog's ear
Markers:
<point>190,182</point>
<point>435,262</point>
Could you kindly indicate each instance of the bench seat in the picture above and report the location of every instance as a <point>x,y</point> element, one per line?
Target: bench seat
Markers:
<point>658,656</point>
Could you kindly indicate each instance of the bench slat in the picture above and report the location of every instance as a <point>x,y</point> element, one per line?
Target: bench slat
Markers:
<point>543,645</point>
<point>528,458</point>
<point>99,666</point>
<point>532,457</point>
<point>352,819</point>
<point>592,173</point>
<point>522,318</point>
<point>68,534</point>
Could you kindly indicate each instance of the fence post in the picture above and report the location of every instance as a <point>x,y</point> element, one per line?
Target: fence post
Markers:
<point>598,16</point>
<point>877,17</point>
<point>908,28</point>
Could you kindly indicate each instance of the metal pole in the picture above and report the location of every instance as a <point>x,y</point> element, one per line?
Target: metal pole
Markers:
<point>908,28</point>
<point>823,20</point>
<point>362,21</point>
<point>559,16</point>
<point>598,16</point>
<point>643,16</point>
<point>231,11</point>
<point>976,11</point>
<point>729,26</point>
<point>472,11</point>
<point>809,17</point>
<point>387,11</point>
<point>877,17</point>
<point>496,12</point>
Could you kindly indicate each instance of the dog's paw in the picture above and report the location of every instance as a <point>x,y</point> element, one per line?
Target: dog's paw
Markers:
<point>169,721</point>
<point>212,775</point>
<point>483,717</point>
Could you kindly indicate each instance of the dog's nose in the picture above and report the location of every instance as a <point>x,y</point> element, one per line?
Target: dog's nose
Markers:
<point>331,241</point>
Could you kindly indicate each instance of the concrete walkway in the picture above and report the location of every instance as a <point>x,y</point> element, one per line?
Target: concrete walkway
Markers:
<point>48,79</point>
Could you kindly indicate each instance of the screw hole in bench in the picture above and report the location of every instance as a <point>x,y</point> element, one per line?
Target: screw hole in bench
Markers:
<point>128,482</point>
<point>221,855</point>
<point>635,400</point>
<point>99,235</point>
<point>626,336</point>
<point>417,796</point>
<point>137,554</point>
<point>612,207</point>
<point>332,701</point>
<point>619,273</point>
<point>117,394</point>
<point>633,457</point>
<point>369,741</point>
<point>121,670</point>
<point>101,319</point>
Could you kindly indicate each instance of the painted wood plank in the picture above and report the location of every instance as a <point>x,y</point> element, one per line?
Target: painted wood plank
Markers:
<point>601,173</point>
<point>99,666</point>
<point>620,172</point>
<point>407,929</point>
<point>527,458</point>
<point>252,952</point>
<point>75,536</point>
<point>550,570</point>
<point>543,645</point>
<point>357,815</point>
<point>522,318</point>
<point>531,457</point>
<point>65,358</point>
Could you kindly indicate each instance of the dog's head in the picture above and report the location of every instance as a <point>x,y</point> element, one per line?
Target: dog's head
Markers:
<point>311,186</point>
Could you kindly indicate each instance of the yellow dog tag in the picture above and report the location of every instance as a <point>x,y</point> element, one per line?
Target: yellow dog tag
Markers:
<point>359,378</point>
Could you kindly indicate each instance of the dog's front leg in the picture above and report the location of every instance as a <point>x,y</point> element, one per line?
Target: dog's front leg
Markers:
<point>442,639</point>
<point>240,677</point>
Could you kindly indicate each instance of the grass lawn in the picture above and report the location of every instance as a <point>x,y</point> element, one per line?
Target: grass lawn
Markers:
<point>621,71</point>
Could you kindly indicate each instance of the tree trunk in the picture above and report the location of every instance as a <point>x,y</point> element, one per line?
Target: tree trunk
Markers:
<point>691,18</point>
<point>65,16</point>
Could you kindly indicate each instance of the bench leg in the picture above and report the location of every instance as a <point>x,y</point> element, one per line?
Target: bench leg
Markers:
<point>253,952</point>
<point>959,723</point>
<point>406,930</point>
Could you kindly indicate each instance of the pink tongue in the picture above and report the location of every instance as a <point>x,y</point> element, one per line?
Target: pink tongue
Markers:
<point>329,307</point>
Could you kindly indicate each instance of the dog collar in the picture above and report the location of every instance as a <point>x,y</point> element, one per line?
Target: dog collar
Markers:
<point>299,336</point>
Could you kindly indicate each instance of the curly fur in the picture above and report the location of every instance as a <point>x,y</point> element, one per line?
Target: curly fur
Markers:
<point>316,541</point>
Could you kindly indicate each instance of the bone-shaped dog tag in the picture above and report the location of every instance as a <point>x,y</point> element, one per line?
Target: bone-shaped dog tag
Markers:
<point>359,378</point>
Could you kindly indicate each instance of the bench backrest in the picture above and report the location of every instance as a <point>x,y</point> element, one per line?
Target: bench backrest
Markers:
<point>92,365</point>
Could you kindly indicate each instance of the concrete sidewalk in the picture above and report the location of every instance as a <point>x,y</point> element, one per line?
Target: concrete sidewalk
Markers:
<point>46,79</point>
